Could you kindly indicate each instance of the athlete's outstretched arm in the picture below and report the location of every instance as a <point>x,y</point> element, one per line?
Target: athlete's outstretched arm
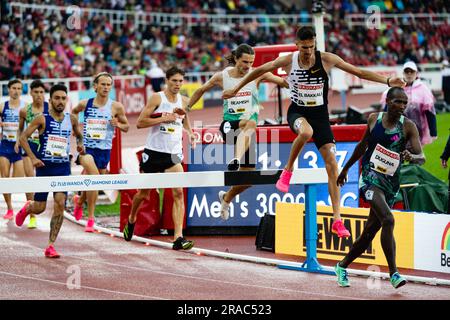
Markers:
<point>359,151</point>
<point>280,62</point>
<point>270,77</point>
<point>216,80</point>
<point>334,60</point>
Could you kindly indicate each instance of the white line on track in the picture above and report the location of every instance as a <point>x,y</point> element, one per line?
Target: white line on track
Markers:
<point>219,281</point>
<point>83,287</point>
<point>309,293</point>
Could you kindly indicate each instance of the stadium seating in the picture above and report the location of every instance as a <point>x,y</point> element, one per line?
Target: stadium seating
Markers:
<point>41,44</point>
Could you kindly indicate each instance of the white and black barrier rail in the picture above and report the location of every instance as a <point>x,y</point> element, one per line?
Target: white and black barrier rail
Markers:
<point>309,177</point>
<point>156,180</point>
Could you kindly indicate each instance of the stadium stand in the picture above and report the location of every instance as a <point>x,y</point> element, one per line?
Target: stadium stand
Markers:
<point>41,44</point>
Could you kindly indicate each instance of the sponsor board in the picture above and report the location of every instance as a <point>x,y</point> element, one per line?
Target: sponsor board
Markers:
<point>432,242</point>
<point>203,205</point>
<point>290,234</point>
<point>88,182</point>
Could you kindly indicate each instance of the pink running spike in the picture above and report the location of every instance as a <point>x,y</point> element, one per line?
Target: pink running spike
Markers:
<point>89,226</point>
<point>50,252</point>
<point>339,229</point>
<point>283,183</point>
<point>9,215</point>
<point>22,214</point>
<point>77,209</point>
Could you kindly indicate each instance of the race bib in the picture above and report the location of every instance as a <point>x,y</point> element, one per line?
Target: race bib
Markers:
<point>173,128</point>
<point>384,161</point>
<point>96,129</point>
<point>310,95</point>
<point>241,103</point>
<point>10,130</point>
<point>56,146</point>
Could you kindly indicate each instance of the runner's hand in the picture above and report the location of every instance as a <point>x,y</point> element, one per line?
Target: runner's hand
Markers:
<point>179,111</point>
<point>192,140</point>
<point>37,163</point>
<point>16,147</point>
<point>406,155</point>
<point>444,163</point>
<point>81,150</point>
<point>114,122</point>
<point>169,117</point>
<point>397,82</point>
<point>342,178</point>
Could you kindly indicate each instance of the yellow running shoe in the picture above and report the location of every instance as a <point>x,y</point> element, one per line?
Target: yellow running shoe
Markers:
<point>32,222</point>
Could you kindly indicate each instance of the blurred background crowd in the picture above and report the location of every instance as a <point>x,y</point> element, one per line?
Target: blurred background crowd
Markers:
<point>38,44</point>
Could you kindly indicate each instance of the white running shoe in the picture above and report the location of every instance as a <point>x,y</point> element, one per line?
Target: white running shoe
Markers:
<point>224,206</point>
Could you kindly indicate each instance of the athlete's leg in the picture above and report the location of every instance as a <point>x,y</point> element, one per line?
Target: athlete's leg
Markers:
<point>36,207</point>
<point>361,244</point>
<point>247,130</point>
<point>304,132</point>
<point>88,163</point>
<point>5,168</point>
<point>137,200</point>
<point>328,152</point>
<point>386,218</point>
<point>29,172</point>
<point>178,204</point>
<point>57,217</point>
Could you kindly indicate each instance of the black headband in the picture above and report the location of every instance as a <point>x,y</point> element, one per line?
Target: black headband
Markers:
<point>102,74</point>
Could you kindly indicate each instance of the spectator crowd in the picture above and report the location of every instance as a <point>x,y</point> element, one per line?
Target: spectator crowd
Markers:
<point>39,43</point>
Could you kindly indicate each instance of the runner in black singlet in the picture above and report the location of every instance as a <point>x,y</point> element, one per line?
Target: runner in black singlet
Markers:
<point>308,114</point>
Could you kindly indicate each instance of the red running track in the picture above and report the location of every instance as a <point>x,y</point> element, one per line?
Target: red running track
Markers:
<point>104,267</point>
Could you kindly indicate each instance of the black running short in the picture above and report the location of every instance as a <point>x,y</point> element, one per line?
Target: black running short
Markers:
<point>154,161</point>
<point>230,131</point>
<point>319,122</point>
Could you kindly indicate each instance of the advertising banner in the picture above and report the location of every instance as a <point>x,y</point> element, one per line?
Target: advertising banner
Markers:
<point>247,208</point>
<point>432,242</point>
<point>289,234</point>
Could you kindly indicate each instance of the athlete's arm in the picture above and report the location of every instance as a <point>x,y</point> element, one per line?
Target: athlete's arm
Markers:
<point>187,122</point>
<point>77,133</point>
<point>270,77</point>
<point>1,124</point>
<point>147,118</point>
<point>445,154</point>
<point>22,117</point>
<point>279,62</point>
<point>359,151</point>
<point>119,119</point>
<point>216,80</point>
<point>333,60</point>
<point>39,124</point>
<point>81,106</point>
<point>414,152</point>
